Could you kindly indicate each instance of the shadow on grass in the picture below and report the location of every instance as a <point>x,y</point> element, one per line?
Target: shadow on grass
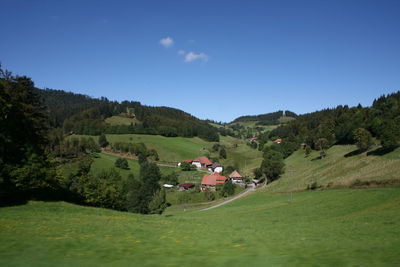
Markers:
<point>354,153</point>
<point>382,151</point>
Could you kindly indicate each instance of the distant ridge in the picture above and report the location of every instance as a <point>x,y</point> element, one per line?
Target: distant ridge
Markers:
<point>267,118</point>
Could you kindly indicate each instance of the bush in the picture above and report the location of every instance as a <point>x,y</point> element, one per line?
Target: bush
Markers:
<point>122,163</point>
<point>186,166</point>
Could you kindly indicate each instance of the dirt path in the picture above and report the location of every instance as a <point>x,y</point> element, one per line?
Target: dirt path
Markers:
<point>248,191</point>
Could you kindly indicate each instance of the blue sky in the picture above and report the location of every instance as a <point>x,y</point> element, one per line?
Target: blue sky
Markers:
<point>213,59</point>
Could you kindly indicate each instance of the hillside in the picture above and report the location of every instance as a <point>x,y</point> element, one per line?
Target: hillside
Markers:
<point>339,169</point>
<point>273,118</point>
<point>81,114</point>
<point>346,227</point>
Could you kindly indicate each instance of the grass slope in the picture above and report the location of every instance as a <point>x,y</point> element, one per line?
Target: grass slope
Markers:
<point>121,120</point>
<point>336,169</point>
<point>170,149</point>
<point>104,162</point>
<point>332,227</point>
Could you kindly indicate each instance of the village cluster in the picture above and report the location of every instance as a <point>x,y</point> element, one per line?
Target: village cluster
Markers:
<point>213,177</point>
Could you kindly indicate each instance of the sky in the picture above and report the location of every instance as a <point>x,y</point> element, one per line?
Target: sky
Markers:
<point>214,59</point>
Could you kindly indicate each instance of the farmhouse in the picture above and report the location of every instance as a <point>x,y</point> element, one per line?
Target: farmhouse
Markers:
<point>183,187</point>
<point>236,177</point>
<point>211,181</point>
<point>278,141</point>
<point>216,167</point>
<point>202,162</point>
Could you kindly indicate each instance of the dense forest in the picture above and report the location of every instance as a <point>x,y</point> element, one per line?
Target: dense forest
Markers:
<point>80,114</point>
<point>266,119</point>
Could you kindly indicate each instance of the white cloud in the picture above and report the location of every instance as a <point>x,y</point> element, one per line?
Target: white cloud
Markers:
<point>181,52</point>
<point>167,42</point>
<point>191,56</point>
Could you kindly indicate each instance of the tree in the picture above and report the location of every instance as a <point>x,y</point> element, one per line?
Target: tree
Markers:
<point>26,171</point>
<point>142,159</point>
<point>307,150</point>
<point>103,141</point>
<point>122,163</point>
<point>171,178</point>
<point>272,164</point>
<point>133,194</point>
<point>186,166</point>
<point>158,204</point>
<point>390,135</point>
<point>322,144</point>
<point>363,138</point>
<point>228,189</point>
<point>222,153</point>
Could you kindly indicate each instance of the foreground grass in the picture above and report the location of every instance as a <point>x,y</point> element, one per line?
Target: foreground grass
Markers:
<point>336,170</point>
<point>331,227</point>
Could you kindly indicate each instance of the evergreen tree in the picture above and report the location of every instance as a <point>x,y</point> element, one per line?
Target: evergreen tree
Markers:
<point>103,141</point>
<point>122,163</point>
<point>222,153</point>
<point>228,189</point>
<point>272,164</point>
<point>158,204</point>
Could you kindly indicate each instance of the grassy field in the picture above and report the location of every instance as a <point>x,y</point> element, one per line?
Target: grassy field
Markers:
<point>121,120</point>
<point>170,149</point>
<point>336,170</point>
<point>353,227</point>
<point>104,162</point>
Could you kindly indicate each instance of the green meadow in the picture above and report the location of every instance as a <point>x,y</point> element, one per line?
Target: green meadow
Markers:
<point>346,227</point>
<point>169,149</point>
<point>338,169</point>
<point>104,162</point>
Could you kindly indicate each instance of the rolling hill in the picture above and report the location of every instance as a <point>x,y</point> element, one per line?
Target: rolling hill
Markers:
<point>339,169</point>
<point>331,227</point>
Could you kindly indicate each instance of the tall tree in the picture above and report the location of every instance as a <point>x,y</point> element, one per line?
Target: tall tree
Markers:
<point>25,170</point>
<point>363,138</point>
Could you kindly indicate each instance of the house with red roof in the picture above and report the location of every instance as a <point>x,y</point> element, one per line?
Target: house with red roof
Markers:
<point>202,162</point>
<point>210,181</point>
<point>278,141</point>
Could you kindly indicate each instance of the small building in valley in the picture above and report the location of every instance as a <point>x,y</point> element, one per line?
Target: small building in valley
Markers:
<point>216,167</point>
<point>236,177</point>
<point>183,187</point>
<point>202,162</point>
<point>278,141</point>
<point>210,181</point>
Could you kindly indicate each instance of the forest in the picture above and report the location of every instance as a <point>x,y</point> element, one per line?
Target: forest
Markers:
<point>80,114</point>
<point>266,119</point>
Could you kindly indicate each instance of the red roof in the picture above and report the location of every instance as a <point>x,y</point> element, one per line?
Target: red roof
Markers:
<point>188,161</point>
<point>213,179</point>
<point>204,161</point>
<point>278,140</point>
<point>235,174</point>
<point>186,185</point>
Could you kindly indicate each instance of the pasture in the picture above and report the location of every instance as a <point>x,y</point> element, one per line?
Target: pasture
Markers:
<point>339,169</point>
<point>331,227</point>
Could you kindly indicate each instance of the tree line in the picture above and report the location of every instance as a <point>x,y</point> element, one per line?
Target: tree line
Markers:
<point>80,114</point>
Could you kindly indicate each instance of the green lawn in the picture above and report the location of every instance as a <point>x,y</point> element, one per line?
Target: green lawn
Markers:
<point>336,170</point>
<point>169,149</point>
<point>353,227</point>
